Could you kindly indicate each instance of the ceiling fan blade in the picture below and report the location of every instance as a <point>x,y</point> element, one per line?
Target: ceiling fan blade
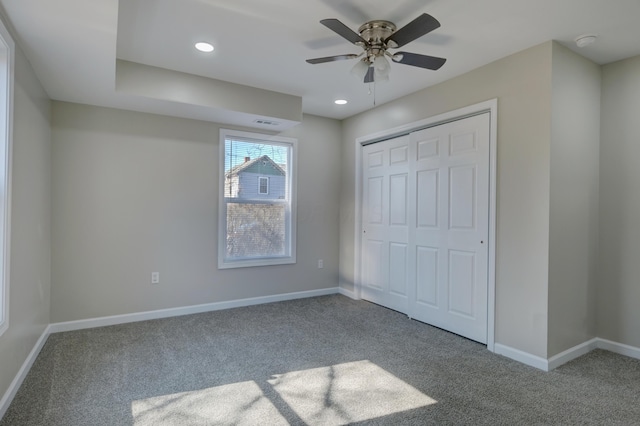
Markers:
<point>416,60</point>
<point>420,26</point>
<point>368,77</point>
<point>342,30</point>
<point>332,58</point>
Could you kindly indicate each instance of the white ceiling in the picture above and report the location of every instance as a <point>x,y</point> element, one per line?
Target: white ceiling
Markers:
<point>73,44</point>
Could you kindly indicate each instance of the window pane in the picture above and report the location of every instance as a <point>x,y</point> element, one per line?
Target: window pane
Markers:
<point>257,203</point>
<point>256,230</point>
<point>256,170</point>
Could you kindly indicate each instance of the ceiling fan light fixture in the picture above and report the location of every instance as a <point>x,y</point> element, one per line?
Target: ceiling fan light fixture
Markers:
<point>375,38</point>
<point>203,46</point>
<point>381,69</point>
<point>360,69</point>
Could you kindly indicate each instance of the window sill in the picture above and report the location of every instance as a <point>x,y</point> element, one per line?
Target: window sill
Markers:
<point>231,264</point>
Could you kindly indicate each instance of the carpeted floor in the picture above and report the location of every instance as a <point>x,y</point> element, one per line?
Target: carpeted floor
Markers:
<point>318,361</point>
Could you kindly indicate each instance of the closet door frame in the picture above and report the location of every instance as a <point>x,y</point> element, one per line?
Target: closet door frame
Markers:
<point>490,106</point>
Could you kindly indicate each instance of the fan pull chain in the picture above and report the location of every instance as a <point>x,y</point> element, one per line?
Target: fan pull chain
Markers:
<point>374,93</point>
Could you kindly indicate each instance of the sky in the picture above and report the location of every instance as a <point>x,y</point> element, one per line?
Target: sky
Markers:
<point>236,151</point>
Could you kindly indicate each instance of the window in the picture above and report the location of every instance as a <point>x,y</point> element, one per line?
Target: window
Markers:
<point>6,117</point>
<point>264,185</point>
<point>257,208</point>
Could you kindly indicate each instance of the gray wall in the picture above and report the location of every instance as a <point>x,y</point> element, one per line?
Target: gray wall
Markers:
<point>30,223</point>
<point>573,228</point>
<point>619,266</point>
<point>135,193</point>
<point>522,84</point>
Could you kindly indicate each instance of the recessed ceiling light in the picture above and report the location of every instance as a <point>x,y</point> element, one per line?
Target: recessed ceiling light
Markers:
<point>204,47</point>
<point>340,101</point>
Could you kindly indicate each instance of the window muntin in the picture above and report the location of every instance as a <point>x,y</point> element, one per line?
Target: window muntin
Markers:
<point>257,206</point>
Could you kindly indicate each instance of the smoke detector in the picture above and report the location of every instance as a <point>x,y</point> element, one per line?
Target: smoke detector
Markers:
<point>585,40</point>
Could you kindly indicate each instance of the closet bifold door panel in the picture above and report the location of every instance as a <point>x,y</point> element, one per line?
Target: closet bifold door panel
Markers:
<point>425,225</point>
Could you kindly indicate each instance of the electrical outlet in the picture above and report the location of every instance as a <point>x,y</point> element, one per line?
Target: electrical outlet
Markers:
<point>155,277</point>
<point>320,263</point>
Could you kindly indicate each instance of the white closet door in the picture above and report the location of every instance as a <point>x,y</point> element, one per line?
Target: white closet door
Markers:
<point>425,225</point>
<point>452,226</point>
<point>385,216</point>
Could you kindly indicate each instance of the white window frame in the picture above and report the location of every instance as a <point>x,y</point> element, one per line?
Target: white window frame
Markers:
<point>7,49</point>
<point>260,179</point>
<point>290,216</point>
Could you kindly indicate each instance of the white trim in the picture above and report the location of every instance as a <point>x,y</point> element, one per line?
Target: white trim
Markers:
<point>291,217</point>
<point>515,354</point>
<point>22,373</point>
<point>572,353</point>
<point>357,225</point>
<point>619,348</point>
<point>142,316</point>
<point>586,347</point>
<point>266,179</point>
<point>493,206</point>
<point>492,107</point>
<point>521,356</point>
<point>350,294</point>
<point>6,152</point>
<point>435,120</point>
<point>185,310</point>
<point>568,355</point>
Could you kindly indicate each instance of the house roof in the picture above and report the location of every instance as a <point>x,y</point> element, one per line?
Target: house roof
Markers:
<point>261,165</point>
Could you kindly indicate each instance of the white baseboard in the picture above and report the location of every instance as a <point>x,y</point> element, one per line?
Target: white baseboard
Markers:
<point>22,373</point>
<point>568,355</point>
<point>586,347</point>
<point>572,353</point>
<point>186,310</point>
<point>515,354</point>
<point>350,294</point>
<point>521,356</point>
<point>619,348</point>
<point>142,316</point>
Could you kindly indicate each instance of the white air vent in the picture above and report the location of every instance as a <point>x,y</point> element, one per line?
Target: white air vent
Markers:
<point>266,122</point>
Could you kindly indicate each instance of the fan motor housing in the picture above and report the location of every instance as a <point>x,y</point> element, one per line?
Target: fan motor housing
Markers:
<point>376,32</point>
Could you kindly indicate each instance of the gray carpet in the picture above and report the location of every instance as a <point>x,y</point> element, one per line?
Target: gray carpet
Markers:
<point>319,361</point>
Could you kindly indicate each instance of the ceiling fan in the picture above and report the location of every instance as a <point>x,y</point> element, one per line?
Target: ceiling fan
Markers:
<point>375,37</point>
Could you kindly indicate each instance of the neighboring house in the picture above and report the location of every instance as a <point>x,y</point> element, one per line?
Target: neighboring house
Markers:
<point>260,178</point>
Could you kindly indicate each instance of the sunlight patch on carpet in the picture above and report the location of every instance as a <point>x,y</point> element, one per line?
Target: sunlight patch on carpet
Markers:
<point>234,404</point>
<point>346,393</point>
